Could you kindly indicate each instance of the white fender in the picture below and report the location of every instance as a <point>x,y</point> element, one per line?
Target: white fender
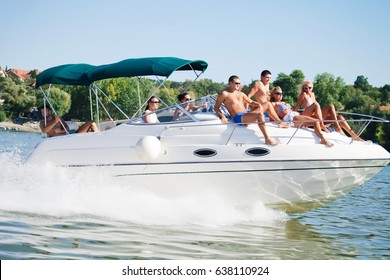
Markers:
<point>148,148</point>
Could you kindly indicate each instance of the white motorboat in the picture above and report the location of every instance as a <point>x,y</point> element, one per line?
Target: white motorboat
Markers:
<point>196,152</point>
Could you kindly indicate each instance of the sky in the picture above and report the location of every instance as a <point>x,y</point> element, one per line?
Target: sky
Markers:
<point>347,38</point>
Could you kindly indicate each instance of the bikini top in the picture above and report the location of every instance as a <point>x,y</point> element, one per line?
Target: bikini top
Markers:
<point>309,102</point>
<point>283,106</point>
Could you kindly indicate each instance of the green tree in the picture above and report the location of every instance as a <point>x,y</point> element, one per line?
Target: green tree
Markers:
<point>60,100</point>
<point>2,114</point>
<point>290,85</point>
<point>80,104</point>
<point>17,98</point>
<point>362,83</point>
<point>207,86</point>
<point>328,89</point>
<point>385,94</point>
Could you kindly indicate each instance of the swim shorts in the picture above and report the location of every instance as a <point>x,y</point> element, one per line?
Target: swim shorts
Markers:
<point>238,117</point>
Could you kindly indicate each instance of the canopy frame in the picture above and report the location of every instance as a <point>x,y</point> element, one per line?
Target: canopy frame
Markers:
<point>88,75</point>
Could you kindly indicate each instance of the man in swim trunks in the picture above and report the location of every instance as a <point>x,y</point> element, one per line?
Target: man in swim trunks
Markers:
<point>234,101</point>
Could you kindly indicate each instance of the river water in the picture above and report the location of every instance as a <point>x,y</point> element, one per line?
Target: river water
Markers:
<point>49,213</point>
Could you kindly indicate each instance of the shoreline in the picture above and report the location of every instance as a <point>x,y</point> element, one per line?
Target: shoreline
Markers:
<point>25,127</point>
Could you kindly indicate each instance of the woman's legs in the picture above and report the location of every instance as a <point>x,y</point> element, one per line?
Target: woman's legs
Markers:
<point>329,113</point>
<point>347,128</point>
<point>314,110</point>
<point>272,114</point>
<point>88,126</point>
<point>317,127</point>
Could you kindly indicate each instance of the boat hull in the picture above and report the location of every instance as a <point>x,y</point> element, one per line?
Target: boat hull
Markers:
<point>292,185</point>
<point>234,164</point>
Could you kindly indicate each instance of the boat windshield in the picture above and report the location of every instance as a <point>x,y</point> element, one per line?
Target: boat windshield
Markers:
<point>201,109</point>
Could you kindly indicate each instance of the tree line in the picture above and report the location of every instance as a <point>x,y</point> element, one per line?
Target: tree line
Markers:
<point>72,102</point>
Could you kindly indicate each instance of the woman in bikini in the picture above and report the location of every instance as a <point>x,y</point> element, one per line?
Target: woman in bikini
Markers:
<point>284,112</point>
<point>312,108</point>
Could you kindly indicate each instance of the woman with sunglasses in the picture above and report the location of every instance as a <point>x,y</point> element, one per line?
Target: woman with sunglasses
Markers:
<point>152,105</point>
<point>185,102</point>
<point>285,113</point>
<point>312,108</point>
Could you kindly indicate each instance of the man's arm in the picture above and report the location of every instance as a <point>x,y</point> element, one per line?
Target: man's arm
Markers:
<point>218,104</point>
<point>249,101</point>
<point>254,89</point>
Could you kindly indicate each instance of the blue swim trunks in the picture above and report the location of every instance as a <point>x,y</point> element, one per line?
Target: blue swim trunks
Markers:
<point>238,117</point>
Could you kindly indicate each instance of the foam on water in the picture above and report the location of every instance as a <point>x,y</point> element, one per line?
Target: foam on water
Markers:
<point>49,190</point>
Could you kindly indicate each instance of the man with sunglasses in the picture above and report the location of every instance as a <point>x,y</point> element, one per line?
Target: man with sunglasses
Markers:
<point>235,101</point>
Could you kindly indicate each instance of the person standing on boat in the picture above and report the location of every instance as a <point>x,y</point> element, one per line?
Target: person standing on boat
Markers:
<point>260,89</point>
<point>56,126</point>
<point>152,105</point>
<point>235,101</point>
<point>284,112</point>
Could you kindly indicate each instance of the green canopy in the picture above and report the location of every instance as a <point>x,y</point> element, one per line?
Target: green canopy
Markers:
<point>67,74</point>
<point>85,74</point>
<point>157,66</point>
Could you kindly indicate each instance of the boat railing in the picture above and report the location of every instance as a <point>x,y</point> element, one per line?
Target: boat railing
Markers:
<point>364,120</point>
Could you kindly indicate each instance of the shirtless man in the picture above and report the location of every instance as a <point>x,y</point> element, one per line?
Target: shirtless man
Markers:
<point>260,89</point>
<point>55,125</point>
<point>234,101</point>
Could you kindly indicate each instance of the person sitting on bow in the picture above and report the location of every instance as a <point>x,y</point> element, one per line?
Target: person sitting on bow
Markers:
<point>284,112</point>
<point>54,125</point>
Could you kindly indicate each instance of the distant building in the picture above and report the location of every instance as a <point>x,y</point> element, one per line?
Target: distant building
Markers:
<point>384,108</point>
<point>19,74</point>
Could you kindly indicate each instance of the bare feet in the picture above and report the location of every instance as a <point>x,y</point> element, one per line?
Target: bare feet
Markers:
<point>339,130</point>
<point>357,138</point>
<point>325,129</point>
<point>326,142</point>
<point>283,125</point>
<point>354,136</point>
<point>271,141</point>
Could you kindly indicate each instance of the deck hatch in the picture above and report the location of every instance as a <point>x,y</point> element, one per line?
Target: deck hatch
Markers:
<point>205,152</point>
<point>257,152</point>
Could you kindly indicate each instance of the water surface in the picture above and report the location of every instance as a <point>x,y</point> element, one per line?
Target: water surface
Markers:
<point>51,213</point>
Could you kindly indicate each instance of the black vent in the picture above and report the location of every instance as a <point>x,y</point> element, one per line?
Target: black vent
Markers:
<point>205,153</point>
<point>257,152</point>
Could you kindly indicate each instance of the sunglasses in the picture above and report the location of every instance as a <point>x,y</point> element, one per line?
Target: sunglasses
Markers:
<point>307,88</point>
<point>278,93</point>
<point>155,102</point>
<point>237,83</point>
